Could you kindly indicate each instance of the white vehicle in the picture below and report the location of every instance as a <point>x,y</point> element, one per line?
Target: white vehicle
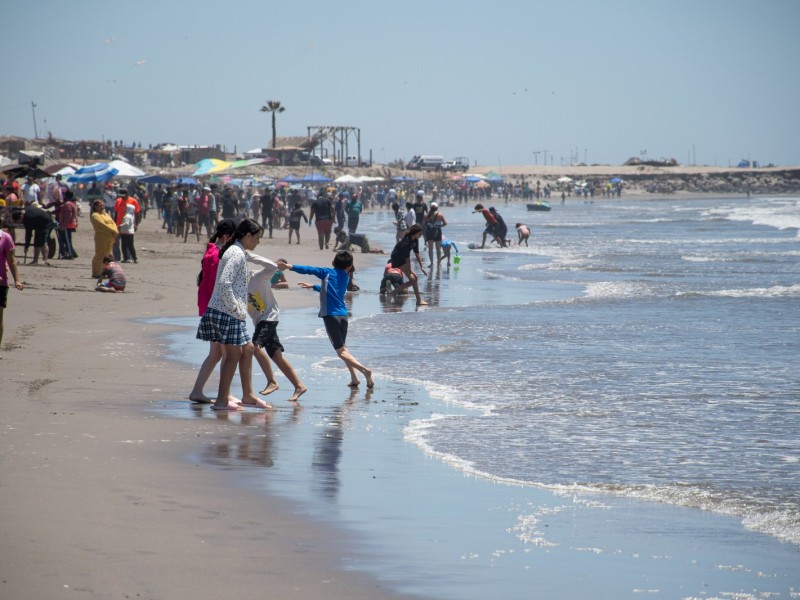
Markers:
<point>426,162</point>
<point>460,163</point>
<point>352,161</point>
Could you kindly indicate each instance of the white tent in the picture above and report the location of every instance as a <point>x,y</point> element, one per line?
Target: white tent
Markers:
<point>347,179</point>
<point>126,169</point>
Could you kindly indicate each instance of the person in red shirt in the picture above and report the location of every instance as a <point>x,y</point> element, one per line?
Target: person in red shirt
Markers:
<point>491,222</point>
<point>120,208</point>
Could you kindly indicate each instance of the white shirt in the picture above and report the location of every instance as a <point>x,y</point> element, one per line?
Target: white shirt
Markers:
<point>230,287</point>
<point>261,303</point>
<point>31,193</point>
<point>410,218</point>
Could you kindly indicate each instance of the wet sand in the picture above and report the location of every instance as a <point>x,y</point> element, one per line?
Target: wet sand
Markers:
<point>98,495</point>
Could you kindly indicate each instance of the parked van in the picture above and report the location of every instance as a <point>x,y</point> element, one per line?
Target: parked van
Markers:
<point>425,162</point>
<point>352,161</point>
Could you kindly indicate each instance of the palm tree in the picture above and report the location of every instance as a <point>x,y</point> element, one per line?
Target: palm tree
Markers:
<point>273,106</point>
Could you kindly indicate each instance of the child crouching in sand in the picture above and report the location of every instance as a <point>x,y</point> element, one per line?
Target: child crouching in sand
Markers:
<point>332,308</point>
<point>115,275</point>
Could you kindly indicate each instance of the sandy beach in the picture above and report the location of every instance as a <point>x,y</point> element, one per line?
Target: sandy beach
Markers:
<point>98,496</point>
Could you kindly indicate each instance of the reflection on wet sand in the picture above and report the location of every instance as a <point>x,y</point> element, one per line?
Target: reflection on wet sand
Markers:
<point>328,448</point>
<point>252,445</point>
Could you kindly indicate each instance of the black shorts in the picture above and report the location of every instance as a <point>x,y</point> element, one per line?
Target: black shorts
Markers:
<point>337,330</point>
<point>3,296</point>
<point>266,336</point>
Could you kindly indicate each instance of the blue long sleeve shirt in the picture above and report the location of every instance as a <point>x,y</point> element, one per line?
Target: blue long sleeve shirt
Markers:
<point>331,291</point>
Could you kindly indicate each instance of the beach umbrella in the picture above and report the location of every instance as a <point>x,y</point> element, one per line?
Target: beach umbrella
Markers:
<point>125,169</point>
<point>564,179</point>
<point>403,178</point>
<point>185,181</point>
<point>209,165</point>
<point>615,180</point>
<point>474,178</point>
<point>96,172</point>
<point>291,179</point>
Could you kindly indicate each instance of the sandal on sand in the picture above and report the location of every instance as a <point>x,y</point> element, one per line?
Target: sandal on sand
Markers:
<point>259,403</point>
<point>229,406</point>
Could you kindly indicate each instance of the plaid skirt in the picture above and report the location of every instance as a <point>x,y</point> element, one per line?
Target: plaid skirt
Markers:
<point>217,326</point>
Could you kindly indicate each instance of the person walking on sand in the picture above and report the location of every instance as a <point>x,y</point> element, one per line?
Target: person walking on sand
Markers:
<point>401,259</point>
<point>120,210</point>
<point>40,222</point>
<point>205,289</point>
<point>323,211</point>
<point>7,263</point>
<point>69,221</point>
<point>432,225</point>
<point>105,232</point>
<point>295,217</point>
<point>224,319</point>
<point>263,309</point>
<point>332,308</point>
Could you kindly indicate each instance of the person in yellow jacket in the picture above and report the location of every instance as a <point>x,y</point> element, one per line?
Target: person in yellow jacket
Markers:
<point>105,232</point>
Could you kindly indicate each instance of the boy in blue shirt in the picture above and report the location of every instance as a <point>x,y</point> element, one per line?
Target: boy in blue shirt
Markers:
<point>332,309</point>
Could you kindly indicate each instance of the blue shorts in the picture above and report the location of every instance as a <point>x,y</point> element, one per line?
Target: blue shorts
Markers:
<point>217,326</point>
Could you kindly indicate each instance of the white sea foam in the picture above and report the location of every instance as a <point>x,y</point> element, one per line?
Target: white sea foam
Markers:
<point>619,289</point>
<point>748,256</point>
<point>780,213</point>
<point>776,291</point>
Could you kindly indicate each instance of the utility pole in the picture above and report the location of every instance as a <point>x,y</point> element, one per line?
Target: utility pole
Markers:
<point>35,131</point>
<point>545,157</point>
<point>536,156</point>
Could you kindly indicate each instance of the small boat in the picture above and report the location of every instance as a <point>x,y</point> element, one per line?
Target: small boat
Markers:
<point>543,205</point>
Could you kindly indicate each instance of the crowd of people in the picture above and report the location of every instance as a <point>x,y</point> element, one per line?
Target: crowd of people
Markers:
<point>233,220</point>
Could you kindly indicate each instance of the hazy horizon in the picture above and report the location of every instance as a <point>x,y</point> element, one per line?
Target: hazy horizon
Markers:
<point>703,83</point>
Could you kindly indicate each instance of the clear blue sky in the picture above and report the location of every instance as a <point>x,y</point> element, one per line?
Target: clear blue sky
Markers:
<point>708,80</point>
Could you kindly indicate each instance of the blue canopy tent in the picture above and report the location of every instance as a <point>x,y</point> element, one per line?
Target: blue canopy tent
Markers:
<point>154,179</point>
<point>316,178</point>
<point>95,172</point>
<point>291,179</point>
<point>185,181</point>
<point>403,178</point>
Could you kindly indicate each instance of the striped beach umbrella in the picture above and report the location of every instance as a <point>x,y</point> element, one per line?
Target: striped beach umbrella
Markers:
<point>95,172</point>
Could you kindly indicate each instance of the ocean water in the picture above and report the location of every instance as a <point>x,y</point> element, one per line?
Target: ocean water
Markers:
<point>638,358</point>
<point>645,349</point>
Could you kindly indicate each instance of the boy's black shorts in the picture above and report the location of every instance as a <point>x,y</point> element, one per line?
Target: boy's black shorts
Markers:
<point>337,330</point>
<point>266,336</point>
